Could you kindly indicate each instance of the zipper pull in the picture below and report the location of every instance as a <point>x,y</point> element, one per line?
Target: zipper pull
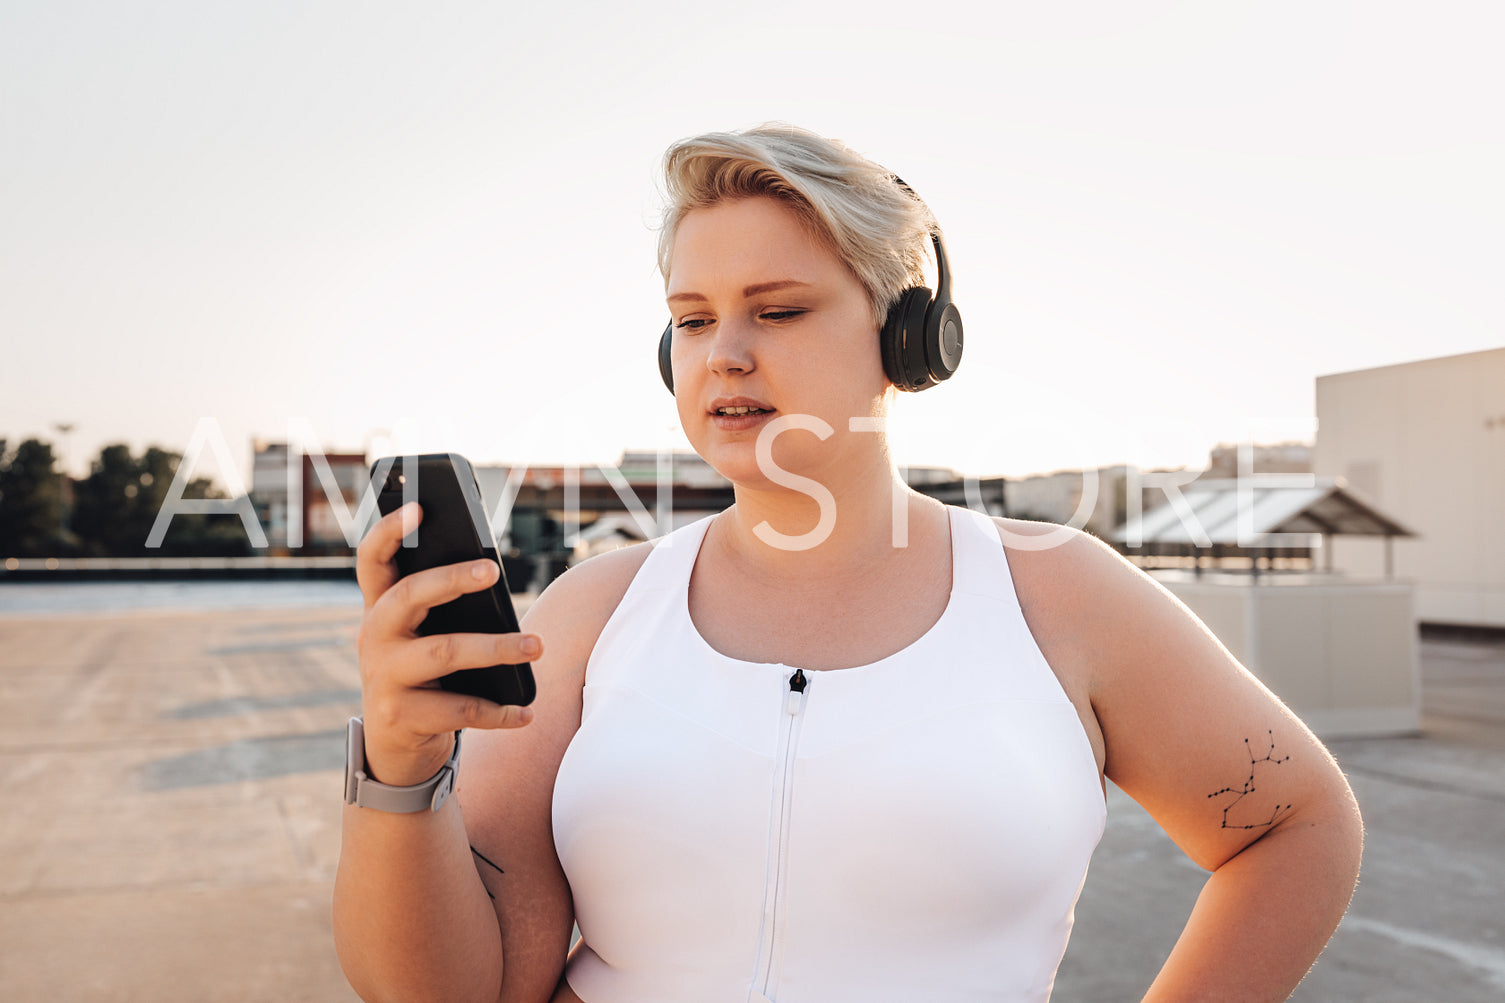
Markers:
<point>796,691</point>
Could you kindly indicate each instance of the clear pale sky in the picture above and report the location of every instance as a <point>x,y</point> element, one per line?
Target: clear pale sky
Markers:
<point>430,226</point>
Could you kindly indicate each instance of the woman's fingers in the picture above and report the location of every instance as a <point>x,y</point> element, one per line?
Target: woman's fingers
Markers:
<point>396,606</point>
<point>401,609</point>
<point>408,717</point>
<point>408,739</point>
<point>420,661</point>
<point>439,712</point>
<point>374,571</point>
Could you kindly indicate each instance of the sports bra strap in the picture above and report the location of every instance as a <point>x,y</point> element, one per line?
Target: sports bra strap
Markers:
<point>980,567</point>
<point>668,565</point>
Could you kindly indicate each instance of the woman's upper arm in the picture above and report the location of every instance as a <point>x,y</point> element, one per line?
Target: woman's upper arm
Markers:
<point>506,778</point>
<point>1188,732</point>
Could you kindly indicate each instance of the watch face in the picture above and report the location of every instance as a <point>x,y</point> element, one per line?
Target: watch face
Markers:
<point>446,787</point>
<point>355,756</point>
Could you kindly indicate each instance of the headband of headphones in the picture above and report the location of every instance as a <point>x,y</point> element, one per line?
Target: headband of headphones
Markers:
<point>921,339</point>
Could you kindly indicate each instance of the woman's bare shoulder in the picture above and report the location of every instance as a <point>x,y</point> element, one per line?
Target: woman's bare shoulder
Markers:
<point>567,617</point>
<point>1075,588</point>
<point>1069,577</point>
<point>1056,566</point>
<point>586,595</point>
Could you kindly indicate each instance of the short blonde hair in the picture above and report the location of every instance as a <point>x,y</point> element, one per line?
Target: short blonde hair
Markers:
<point>858,208</point>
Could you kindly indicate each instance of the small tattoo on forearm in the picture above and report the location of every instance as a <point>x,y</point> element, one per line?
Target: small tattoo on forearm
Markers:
<point>1278,812</point>
<point>489,863</point>
<point>486,860</point>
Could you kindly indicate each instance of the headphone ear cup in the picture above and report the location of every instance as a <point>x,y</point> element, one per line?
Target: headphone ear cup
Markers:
<point>902,341</point>
<point>891,341</point>
<point>665,356</point>
<point>943,341</point>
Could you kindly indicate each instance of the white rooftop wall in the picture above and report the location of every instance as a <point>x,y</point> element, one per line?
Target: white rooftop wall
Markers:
<point>1426,441</point>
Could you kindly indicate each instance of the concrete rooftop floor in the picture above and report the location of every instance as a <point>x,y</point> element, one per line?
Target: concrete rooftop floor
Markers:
<point>173,799</point>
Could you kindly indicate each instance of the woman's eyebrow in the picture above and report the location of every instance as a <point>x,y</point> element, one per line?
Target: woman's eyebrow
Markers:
<point>768,287</point>
<point>752,290</point>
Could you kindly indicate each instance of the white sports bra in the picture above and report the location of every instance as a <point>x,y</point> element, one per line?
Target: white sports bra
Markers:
<point>913,829</point>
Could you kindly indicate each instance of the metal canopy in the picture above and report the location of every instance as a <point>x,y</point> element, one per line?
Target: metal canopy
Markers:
<point>1212,506</point>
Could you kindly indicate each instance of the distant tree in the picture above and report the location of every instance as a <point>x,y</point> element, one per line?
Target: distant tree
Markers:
<point>116,505</point>
<point>106,516</point>
<point>31,501</point>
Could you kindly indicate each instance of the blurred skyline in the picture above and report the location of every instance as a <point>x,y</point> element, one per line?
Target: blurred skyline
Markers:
<point>433,228</point>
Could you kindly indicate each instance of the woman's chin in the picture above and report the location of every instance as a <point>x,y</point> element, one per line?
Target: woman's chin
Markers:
<point>738,463</point>
<point>738,466</point>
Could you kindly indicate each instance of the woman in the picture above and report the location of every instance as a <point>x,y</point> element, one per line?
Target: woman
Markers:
<point>838,741</point>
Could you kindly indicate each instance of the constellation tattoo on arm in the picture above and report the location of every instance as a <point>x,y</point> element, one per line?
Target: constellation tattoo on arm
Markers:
<point>1277,813</point>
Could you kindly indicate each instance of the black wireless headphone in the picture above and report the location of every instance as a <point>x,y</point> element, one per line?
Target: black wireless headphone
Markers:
<point>921,340</point>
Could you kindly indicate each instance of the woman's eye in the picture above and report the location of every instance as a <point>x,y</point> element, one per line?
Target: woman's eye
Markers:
<point>692,324</point>
<point>781,314</point>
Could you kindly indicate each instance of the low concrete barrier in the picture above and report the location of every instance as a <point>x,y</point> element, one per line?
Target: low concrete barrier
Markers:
<point>1341,653</point>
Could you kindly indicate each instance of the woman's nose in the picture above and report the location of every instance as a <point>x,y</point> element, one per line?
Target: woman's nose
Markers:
<point>731,349</point>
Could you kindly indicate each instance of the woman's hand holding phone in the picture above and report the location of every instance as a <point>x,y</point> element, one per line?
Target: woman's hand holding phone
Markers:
<point>409,720</point>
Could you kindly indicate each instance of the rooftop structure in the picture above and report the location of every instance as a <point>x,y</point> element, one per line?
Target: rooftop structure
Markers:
<point>1243,516</point>
<point>1426,442</point>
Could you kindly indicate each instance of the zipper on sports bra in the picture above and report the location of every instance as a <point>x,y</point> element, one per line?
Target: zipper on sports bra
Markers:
<point>794,709</point>
<point>796,699</point>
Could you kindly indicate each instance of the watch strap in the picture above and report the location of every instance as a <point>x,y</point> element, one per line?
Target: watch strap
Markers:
<point>363,792</point>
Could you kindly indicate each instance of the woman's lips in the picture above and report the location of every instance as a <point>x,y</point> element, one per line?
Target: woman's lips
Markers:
<point>745,417</point>
<point>738,414</point>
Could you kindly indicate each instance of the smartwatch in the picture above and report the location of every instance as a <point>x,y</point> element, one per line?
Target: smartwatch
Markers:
<point>363,792</point>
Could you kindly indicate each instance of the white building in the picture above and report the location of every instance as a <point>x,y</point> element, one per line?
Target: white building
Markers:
<point>269,490</point>
<point>1426,442</point>
<point>318,526</point>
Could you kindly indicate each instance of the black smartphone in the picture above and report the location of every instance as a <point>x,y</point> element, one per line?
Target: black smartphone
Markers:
<point>454,529</point>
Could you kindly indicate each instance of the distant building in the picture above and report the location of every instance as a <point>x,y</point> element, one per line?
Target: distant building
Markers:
<point>1097,500</point>
<point>269,491</point>
<point>1276,458</point>
<point>317,523</point>
<point>1095,503</point>
<point>1426,442</point>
